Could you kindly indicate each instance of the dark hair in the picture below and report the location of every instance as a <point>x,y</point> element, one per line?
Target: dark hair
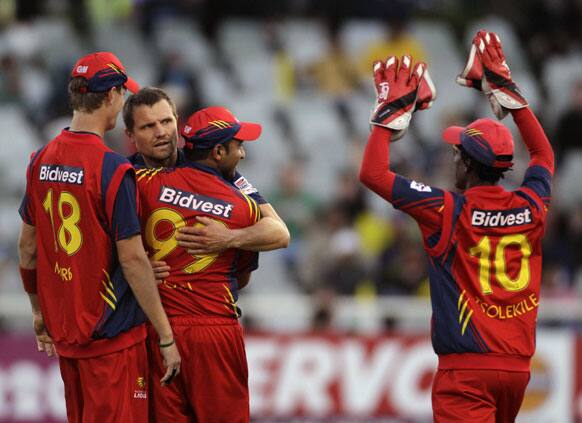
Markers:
<point>147,96</point>
<point>83,100</point>
<point>196,154</point>
<point>484,172</point>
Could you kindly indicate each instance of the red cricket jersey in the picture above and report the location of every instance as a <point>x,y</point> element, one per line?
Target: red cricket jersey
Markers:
<point>204,285</point>
<point>81,198</point>
<point>485,255</point>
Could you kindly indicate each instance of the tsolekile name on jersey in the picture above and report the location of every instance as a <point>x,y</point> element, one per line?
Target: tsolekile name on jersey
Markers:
<point>197,202</point>
<point>59,173</point>
<point>501,218</point>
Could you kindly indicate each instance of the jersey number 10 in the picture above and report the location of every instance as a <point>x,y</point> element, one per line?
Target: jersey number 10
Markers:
<point>483,251</point>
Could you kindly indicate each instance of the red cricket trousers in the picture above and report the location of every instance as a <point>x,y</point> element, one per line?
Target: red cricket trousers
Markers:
<point>212,386</point>
<point>478,396</point>
<point>108,388</point>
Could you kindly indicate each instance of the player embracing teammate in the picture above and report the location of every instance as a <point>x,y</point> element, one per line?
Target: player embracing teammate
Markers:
<point>483,243</point>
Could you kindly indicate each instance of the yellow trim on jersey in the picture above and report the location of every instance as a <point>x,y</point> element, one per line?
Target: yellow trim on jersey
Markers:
<point>249,204</point>
<point>466,322</point>
<point>254,210</point>
<point>231,302</point>
<point>462,309</point>
<point>460,300</point>
<point>143,174</point>
<point>107,300</point>
<point>109,291</point>
<point>154,173</point>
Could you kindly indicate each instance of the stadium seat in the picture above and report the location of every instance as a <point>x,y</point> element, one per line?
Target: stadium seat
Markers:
<point>126,42</point>
<point>305,40</point>
<point>559,75</point>
<point>357,34</point>
<point>19,142</point>
<point>242,39</point>
<point>444,64</point>
<point>175,34</point>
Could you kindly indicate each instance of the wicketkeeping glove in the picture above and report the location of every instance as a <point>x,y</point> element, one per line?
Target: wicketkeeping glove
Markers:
<point>400,91</point>
<point>487,70</point>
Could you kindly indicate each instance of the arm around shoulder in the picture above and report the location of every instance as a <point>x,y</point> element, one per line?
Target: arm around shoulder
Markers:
<point>269,233</point>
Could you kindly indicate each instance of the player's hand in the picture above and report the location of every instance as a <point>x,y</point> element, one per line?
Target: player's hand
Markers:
<point>207,236</point>
<point>398,89</point>
<point>172,361</point>
<point>44,343</point>
<point>161,270</point>
<point>487,63</point>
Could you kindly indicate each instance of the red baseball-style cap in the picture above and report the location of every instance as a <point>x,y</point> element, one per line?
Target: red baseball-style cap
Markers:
<point>103,70</point>
<point>485,140</point>
<point>216,125</point>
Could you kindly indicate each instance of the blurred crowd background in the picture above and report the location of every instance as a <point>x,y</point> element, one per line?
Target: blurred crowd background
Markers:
<point>302,69</point>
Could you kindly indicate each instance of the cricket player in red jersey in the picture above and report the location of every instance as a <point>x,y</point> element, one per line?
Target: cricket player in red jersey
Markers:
<point>200,292</point>
<point>151,124</point>
<point>483,243</point>
<point>82,261</point>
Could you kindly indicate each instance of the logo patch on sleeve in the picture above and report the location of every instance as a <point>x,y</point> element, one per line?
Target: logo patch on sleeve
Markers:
<point>420,187</point>
<point>244,186</point>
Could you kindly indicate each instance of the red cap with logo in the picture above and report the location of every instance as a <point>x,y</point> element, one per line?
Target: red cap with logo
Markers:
<point>103,71</point>
<point>485,140</point>
<point>217,125</point>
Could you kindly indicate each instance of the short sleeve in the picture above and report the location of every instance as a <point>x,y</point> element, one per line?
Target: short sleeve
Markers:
<point>248,262</point>
<point>539,180</point>
<point>422,202</point>
<point>119,193</point>
<point>26,209</point>
<point>244,186</point>
<point>125,220</point>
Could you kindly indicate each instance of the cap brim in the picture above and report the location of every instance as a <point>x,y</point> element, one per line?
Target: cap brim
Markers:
<point>249,131</point>
<point>452,135</point>
<point>131,85</point>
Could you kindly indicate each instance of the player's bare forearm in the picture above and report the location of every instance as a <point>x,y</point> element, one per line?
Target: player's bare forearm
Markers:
<point>535,138</point>
<point>269,233</point>
<point>209,236</point>
<point>27,246</point>
<point>27,261</point>
<point>140,276</point>
<point>375,170</point>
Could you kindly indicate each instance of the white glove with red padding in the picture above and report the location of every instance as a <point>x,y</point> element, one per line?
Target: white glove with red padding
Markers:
<point>400,91</point>
<point>487,70</point>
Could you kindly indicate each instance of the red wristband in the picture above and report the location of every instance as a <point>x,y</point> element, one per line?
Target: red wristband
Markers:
<point>28,280</point>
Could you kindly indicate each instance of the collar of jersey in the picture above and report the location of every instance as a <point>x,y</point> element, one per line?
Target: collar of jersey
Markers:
<point>84,135</point>
<point>203,168</point>
<point>137,160</point>
<point>486,188</point>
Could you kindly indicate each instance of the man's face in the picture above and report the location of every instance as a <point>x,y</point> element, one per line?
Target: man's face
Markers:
<point>233,153</point>
<point>155,134</point>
